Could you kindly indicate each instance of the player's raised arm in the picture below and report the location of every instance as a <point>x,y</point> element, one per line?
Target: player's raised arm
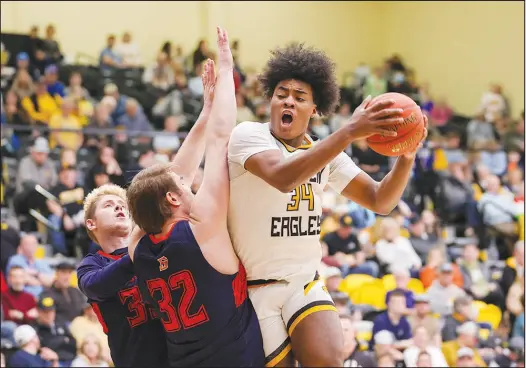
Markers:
<point>211,202</point>
<point>189,156</point>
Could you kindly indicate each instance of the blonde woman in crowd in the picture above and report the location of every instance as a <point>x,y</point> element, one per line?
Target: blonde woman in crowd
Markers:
<point>90,353</point>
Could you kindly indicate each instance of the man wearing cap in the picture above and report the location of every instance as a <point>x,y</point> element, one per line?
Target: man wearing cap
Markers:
<point>54,335</point>
<point>465,358</point>
<point>23,63</point>
<point>68,300</point>
<point>31,354</point>
<point>384,341</point>
<point>54,86</point>
<point>443,292</point>
<point>424,317</point>
<point>112,90</point>
<point>345,248</point>
<point>463,311</point>
<point>467,338</point>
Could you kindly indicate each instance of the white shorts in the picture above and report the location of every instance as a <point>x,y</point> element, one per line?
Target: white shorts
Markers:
<point>281,306</point>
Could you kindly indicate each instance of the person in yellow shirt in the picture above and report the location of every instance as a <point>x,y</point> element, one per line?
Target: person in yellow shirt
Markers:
<point>67,120</point>
<point>467,338</point>
<point>41,105</point>
<point>88,324</point>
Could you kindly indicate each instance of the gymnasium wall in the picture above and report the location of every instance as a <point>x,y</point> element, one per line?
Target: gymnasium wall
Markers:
<point>457,47</point>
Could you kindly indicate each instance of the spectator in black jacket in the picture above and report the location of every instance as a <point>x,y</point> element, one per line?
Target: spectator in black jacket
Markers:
<point>54,336</point>
<point>513,268</point>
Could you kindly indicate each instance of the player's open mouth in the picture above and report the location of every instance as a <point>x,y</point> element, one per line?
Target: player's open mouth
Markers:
<point>121,215</point>
<point>286,118</point>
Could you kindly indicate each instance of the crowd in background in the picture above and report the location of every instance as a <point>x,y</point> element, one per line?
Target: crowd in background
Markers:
<point>439,282</point>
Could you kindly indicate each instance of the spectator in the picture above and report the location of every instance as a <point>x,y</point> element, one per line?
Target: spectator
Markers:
<point>463,311</point>
<point>107,165</point>
<point>375,84</point>
<point>341,302</point>
<point>344,247</point>
<point>15,115</point>
<point>90,353</point>
<point>18,306</point>
<point>54,87</point>
<point>494,157</point>
<point>101,119</point>
<point>394,321</point>
<point>477,277</point>
<point>318,127</point>
<point>23,85</point>
<point>442,291</point>
<point>369,161</point>
<point>41,105</point>
<point>518,326</point>
<point>515,296</point>
<point>54,335</point>
<point>51,47</point>
<point>37,166</point>
<point>423,317</point>
<point>514,138</point>
<point>7,330</point>
<point>402,278</point>
<point>429,273</point>
<point>341,117</point>
<point>134,118</point>
<point>493,104</point>
<point>75,88</point>
<point>423,344</point>
<point>420,239</point>
<point>169,105</point>
<point>28,356</point>
<point>9,240</point>
<point>440,115</point>
<point>195,85</point>
<point>479,132</point>
<point>354,357</point>
<point>160,75</point>
<point>333,279</point>
<point>65,119</point>
<point>168,144</point>
<point>33,46</point>
<point>38,272</point>
<point>69,301</point>
<point>467,338</point>
<point>387,355</point>
<point>200,54</point>
<point>466,358</point>
<point>88,324</point>
<point>243,111</point>
<point>129,51</point>
<point>109,58</point>
<point>513,268</point>
<point>23,64</point>
<point>393,249</point>
<point>424,360</point>
<point>119,110</point>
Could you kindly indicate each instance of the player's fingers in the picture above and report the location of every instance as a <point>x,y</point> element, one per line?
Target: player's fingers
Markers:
<point>386,132</point>
<point>387,113</point>
<point>380,105</point>
<point>388,121</point>
<point>424,136</point>
<point>425,121</point>
<point>364,103</point>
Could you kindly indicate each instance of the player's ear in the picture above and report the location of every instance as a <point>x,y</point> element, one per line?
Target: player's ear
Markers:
<point>172,199</point>
<point>90,225</point>
<point>314,112</point>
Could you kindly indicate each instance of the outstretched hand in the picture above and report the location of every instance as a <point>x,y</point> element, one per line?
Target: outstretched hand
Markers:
<point>209,82</point>
<point>225,55</point>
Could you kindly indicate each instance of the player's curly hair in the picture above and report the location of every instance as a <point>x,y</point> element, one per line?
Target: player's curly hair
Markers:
<point>308,65</point>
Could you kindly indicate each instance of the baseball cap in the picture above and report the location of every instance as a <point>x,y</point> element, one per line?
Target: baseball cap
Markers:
<point>465,352</point>
<point>65,266</point>
<point>468,328</point>
<point>446,267</point>
<point>51,69</point>
<point>68,167</point>
<point>346,220</point>
<point>46,303</point>
<point>41,145</point>
<point>22,56</point>
<point>23,334</point>
<point>421,298</point>
<point>384,337</point>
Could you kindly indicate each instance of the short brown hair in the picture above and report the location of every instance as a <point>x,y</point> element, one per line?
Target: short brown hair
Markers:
<point>147,202</point>
<point>91,200</point>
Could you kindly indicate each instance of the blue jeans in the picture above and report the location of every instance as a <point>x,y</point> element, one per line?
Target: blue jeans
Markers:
<point>57,238</point>
<point>7,330</point>
<point>367,268</point>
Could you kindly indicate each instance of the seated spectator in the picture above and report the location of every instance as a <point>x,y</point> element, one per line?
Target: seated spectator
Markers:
<point>494,157</point>
<point>393,249</point>
<point>18,305</point>
<point>443,292</point>
<point>41,105</point>
<point>109,58</point>
<point>7,331</point>
<point>341,117</point>
<point>88,324</point>
<point>38,273</point>
<point>195,85</point>
<point>134,118</point>
<point>440,115</point>
<point>341,302</point>
<point>424,360</point>
<point>119,110</point>
<point>402,277</point>
<point>200,54</point>
<point>477,277</point>
<point>69,301</point>
<point>467,338</point>
<point>354,357</point>
<point>107,165</point>
<point>9,240</point>
<point>54,335</point>
<point>429,273</point>
<point>369,161</point>
<point>518,326</point>
<point>90,353</point>
<point>51,46</point>
<point>23,64</point>
<point>345,248</point>
<point>375,83</point>
<point>423,317</point>
<point>66,119</point>
<point>13,113</point>
<point>159,75</point>
<point>420,239</point>
<point>514,300</point>
<point>244,113</point>
<point>514,138</point>
<point>100,119</point>
<point>81,96</point>
<point>128,51</point>
<point>394,321</point>
<point>169,105</point>
<point>333,279</point>
<point>168,144</point>
<point>453,150</point>
<point>493,104</point>
<point>423,344</point>
<point>23,85</point>
<point>387,355</point>
<point>466,358</point>
<point>513,268</point>
<point>479,132</point>
<point>319,128</point>
<point>463,311</point>
<point>54,87</point>
<point>31,353</point>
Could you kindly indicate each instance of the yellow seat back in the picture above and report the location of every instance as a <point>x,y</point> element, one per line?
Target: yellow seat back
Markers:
<point>491,314</point>
<point>415,285</point>
<point>352,282</point>
<point>372,293</point>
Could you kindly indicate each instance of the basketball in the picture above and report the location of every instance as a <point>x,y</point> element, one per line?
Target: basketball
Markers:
<point>410,132</point>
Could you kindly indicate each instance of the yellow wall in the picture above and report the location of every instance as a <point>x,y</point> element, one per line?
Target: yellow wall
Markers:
<point>458,47</point>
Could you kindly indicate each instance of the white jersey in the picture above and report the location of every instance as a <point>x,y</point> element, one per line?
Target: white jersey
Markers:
<point>276,235</point>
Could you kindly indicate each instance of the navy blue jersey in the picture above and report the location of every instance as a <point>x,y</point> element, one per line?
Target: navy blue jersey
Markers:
<point>136,338</point>
<point>207,316</point>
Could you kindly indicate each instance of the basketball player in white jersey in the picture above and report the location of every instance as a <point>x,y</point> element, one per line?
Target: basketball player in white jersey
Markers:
<point>277,176</point>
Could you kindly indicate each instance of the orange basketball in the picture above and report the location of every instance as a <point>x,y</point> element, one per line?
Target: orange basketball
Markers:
<point>410,132</point>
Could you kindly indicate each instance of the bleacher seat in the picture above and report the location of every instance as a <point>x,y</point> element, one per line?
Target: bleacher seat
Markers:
<point>352,282</point>
<point>488,313</point>
<point>415,285</point>
<point>371,293</point>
